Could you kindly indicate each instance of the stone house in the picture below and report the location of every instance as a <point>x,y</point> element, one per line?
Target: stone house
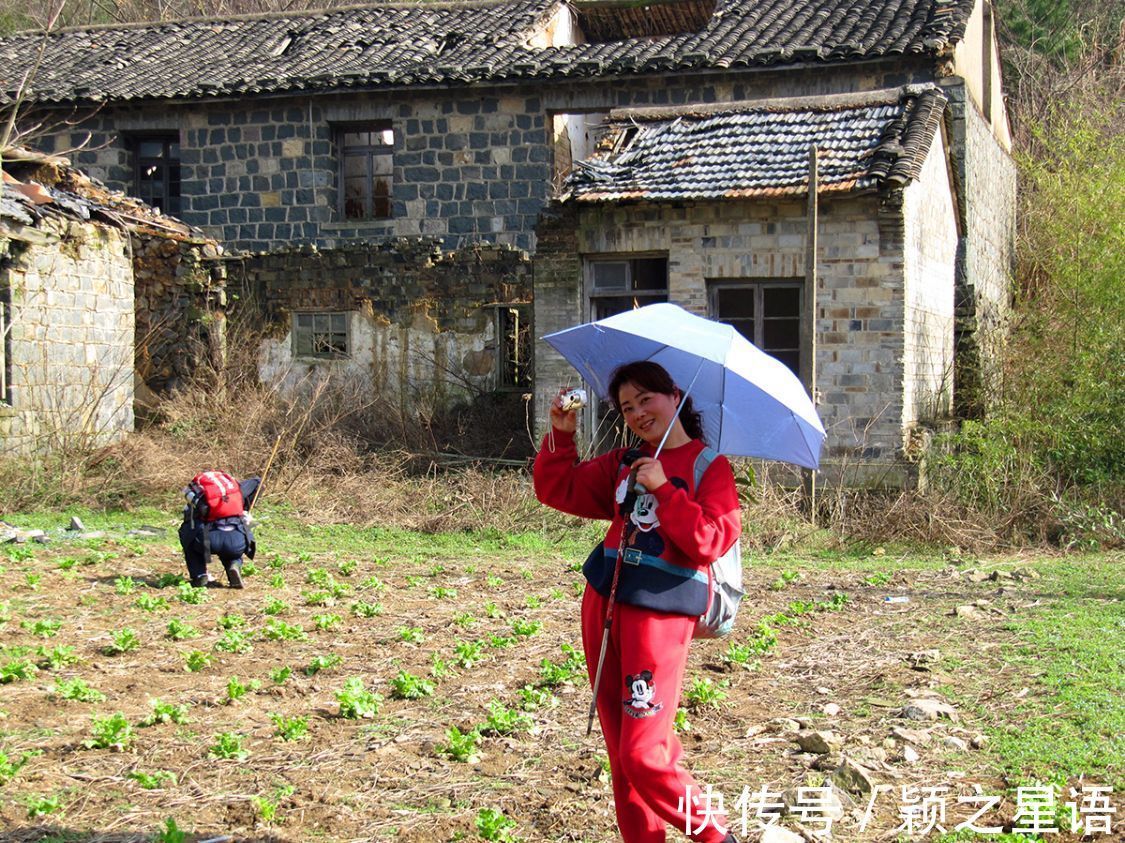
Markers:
<point>394,177</point>
<point>101,303</point>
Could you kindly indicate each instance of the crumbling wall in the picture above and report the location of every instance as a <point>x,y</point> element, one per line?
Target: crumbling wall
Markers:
<point>425,332</point>
<point>180,310</point>
<point>71,338</point>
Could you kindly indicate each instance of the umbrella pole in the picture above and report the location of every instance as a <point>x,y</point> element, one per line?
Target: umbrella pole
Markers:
<point>605,632</point>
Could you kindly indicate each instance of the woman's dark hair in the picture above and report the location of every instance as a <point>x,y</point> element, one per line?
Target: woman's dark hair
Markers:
<point>652,377</point>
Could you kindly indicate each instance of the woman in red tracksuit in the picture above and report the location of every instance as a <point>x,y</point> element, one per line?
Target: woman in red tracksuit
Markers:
<point>667,541</point>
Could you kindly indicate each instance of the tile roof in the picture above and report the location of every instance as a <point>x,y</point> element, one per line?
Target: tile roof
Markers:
<point>442,43</point>
<point>864,141</point>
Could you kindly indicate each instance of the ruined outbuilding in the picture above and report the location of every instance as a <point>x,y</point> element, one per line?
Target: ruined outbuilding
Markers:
<point>104,302</point>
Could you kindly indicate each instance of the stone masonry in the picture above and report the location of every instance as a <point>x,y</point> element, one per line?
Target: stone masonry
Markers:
<point>71,338</point>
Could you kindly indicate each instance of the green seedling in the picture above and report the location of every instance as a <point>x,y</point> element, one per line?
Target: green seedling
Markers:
<point>67,563</point>
<point>493,581</point>
<point>275,606</point>
<point>495,641</point>
<point>31,581</point>
<point>367,610</point>
<point>506,721</point>
<point>322,597</point>
<point>467,653</point>
<point>279,630</point>
<point>196,660</point>
<point>154,780</point>
<point>290,728</point>
<point>167,580</point>
<point>460,746</point>
<point>741,655</point>
<point>170,833</point>
<point>44,628</point>
<point>526,628</point>
<point>112,732</point>
<point>236,689</point>
<point>41,806</point>
<point>235,641</point>
<point>276,581</point>
<point>879,578</point>
<point>122,641</point>
<point>279,675</point>
<point>347,568</point>
<point>491,611</point>
<point>59,656</point>
<point>228,745</point>
<point>180,631</point>
<point>76,689</point>
<point>413,581</point>
<point>125,585</point>
<point>441,592</point>
<point>191,596</point>
<point>266,808</point>
<point>326,622</point>
<point>784,579</point>
<point>150,603</point>
<point>407,686</point>
<point>320,663</point>
<point>534,601</point>
<point>411,634</point>
<point>318,577</point>
<point>163,712</point>
<point>9,767</point>
<point>373,584</point>
<point>249,569</point>
<point>703,693</point>
<point>356,701</point>
<point>19,553</point>
<point>534,699</point>
<point>231,621</point>
<point>493,826</point>
<point>680,722</point>
<point>552,674</point>
<point>464,619</point>
<point>763,639</point>
<point>439,667</point>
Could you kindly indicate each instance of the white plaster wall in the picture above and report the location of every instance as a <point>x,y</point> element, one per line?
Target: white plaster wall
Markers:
<point>71,340</point>
<point>968,62</point>
<point>414,367</point>
<point>929,255</point>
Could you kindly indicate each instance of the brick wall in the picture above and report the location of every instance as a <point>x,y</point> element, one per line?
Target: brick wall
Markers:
<point>71,338</point>
<point>469,165</point>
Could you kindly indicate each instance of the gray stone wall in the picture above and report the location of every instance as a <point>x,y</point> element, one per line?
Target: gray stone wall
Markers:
<point>986,183</point>
<point>71,338</point>
<point>472,165</point>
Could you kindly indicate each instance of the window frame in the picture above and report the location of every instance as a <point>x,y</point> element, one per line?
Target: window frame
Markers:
<point>369,153</point>
<point>512,375</point>
<point>758,287</point>
<point>631,261</point>
<point>295,328</point>
<point>171,167</point>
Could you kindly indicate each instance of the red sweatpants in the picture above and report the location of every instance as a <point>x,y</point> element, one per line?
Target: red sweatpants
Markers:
<point>640,691</point>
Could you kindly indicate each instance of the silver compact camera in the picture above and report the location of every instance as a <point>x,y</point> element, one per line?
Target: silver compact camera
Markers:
<point>572,399</point>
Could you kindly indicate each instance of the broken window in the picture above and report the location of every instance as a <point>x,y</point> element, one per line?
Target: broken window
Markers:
<point>156,170</point>
<point>620,284</point>
<point>366,173</point>
<point>768,313</point>
<point>613,20</point>
<point>320,335</point>
<point>513,333</point>
<point>5,345</point>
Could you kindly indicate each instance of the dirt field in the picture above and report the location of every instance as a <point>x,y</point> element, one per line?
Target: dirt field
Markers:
<point>472,621</point>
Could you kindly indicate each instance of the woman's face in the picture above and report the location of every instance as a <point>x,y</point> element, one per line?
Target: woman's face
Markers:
<point>647,414</point>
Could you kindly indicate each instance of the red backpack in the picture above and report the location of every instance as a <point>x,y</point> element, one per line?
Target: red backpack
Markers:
<point>216,495</point>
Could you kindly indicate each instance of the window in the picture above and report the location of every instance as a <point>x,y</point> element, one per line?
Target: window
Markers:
<point>366,170</point>
<point>156,171</point>
<point>768,313</point>
<point>320,335</point>
<point>513,346</point>
<point>5,345</point>
<point>620,284</point>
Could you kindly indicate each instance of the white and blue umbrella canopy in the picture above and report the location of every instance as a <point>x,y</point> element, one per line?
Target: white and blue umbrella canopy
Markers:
<point>752,404</point>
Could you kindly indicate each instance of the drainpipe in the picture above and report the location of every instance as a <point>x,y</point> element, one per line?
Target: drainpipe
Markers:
<point>808,369</point>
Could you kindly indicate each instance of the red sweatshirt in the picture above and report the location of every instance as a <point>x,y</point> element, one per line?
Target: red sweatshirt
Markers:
<point>672,534</point>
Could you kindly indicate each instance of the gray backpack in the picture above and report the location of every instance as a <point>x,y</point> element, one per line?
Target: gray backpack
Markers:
<point>726,575</point>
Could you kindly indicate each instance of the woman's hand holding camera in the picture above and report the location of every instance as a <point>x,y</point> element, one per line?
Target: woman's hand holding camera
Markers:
<point>564,420</point>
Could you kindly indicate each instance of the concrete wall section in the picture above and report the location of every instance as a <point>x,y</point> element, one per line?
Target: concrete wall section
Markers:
<point>930,256</point>
<point>71,339</point>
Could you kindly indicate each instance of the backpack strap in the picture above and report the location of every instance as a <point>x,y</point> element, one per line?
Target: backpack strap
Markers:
<point>703,462</point>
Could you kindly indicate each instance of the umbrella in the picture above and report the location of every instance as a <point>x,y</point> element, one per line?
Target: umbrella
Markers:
<point>752,404</point>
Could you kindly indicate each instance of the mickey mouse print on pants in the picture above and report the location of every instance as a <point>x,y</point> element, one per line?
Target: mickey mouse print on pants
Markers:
<point>642,692</point>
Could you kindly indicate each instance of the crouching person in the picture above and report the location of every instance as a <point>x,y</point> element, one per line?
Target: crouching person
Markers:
<point>217,523</point>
